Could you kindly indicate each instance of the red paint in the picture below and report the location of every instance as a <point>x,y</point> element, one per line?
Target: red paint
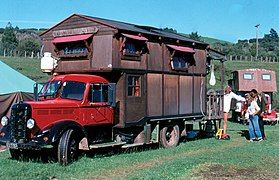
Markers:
<point>83,112</point>
<point>71,38</point>
<point>182,48</point>
<point>140,38</point>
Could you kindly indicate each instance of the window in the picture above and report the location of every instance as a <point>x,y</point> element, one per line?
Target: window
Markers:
<point>247,76</point>
<point>266,77</point>
<point>98,93</point>
<point>179,63</point>
<point>50,89</point>
<point>182,61</point>
<point>134,85</point>
<point>133,46</point>
<point>73,90</point>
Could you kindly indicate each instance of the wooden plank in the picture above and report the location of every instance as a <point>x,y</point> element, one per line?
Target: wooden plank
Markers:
<point>154,94</point>
<point>186,95</point>
<point>171,95</point>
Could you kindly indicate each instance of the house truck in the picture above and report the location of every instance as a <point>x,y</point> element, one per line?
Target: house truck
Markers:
<point>113,84</point>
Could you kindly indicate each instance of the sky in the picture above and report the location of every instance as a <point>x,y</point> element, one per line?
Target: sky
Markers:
<point>228,20</point>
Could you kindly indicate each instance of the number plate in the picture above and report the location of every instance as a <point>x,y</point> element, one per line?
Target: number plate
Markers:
<point>11,145</point>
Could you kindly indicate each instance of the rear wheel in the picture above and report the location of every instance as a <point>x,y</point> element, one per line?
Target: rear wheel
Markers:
<point>68,148</point>
<point>169,136</point>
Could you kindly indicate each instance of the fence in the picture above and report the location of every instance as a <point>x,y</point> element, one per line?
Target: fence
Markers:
<point>16,53</point>
<point>252,58</point>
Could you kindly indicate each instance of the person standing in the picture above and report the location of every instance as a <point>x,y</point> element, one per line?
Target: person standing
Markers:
<point>261,101</point>
<point>253,110</point>
<point>228,96</point>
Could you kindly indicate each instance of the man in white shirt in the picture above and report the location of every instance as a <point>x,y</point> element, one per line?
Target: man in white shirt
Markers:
<point>228,96</point>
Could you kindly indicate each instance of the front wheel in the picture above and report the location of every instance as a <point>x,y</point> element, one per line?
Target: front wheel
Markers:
<point>169,136</point>
<point>68,148</point>
<point>15,154</point>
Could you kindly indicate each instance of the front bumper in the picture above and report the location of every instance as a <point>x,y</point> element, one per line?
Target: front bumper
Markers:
<point>37,143</point>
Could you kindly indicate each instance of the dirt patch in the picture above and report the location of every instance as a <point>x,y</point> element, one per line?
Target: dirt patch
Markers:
<point>121,172</point>
<point>218,171</point>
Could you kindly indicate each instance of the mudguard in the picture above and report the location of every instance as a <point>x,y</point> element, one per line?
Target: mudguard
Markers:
<point>56,130</point>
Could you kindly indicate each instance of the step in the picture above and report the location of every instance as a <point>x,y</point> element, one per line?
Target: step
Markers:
<point>109,144</point>
<point>132,145</point>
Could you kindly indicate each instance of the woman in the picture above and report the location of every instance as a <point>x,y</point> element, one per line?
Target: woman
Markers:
<point>253,110</point>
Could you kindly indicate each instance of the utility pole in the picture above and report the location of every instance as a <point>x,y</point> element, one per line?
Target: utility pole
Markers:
<point>257,41</point>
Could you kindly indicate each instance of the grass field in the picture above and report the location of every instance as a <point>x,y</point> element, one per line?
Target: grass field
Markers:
<point>199,159</point>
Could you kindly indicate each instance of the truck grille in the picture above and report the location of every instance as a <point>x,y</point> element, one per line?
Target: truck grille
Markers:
<point>21,112</point>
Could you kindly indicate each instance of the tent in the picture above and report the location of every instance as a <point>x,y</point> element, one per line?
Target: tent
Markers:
<point>14,87</point>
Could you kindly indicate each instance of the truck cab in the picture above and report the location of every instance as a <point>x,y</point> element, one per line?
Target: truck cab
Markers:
<point>73,102</point>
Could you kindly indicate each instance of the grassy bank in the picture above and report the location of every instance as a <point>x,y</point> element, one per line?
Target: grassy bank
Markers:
<point>202,159</point>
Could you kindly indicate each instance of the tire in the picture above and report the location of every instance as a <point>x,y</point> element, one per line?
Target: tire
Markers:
<point>169,136</point>
<point>15,154</point>
<point>68,148</point>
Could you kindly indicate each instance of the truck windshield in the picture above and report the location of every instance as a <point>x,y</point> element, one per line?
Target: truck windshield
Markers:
<point>49,89</point>
<point>73,90</point>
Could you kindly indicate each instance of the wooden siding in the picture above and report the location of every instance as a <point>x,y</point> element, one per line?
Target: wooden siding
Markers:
<point>154,94</point>
<point>102,52</point>
<point>155,58</point>
<point>186,94</point>
<point>78,22</point>
<point>170,94</point>
<point>199,95</point>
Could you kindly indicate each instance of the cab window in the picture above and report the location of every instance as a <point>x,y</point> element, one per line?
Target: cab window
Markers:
<point>98,93</point>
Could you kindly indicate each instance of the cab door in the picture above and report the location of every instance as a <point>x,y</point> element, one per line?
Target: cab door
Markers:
<point>101,99</point>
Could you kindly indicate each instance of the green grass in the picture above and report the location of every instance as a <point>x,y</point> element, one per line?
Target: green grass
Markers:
<point>27,66</point>
<point>199,159</point>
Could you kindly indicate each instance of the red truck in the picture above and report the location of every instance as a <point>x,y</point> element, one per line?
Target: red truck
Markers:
<point>119,85</point>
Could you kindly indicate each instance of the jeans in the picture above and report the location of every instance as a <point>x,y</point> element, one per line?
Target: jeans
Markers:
<point>254,129</point>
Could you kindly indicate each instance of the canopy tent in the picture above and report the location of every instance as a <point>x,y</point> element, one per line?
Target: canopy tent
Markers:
<point>14,87</point>
<point>13,81</point>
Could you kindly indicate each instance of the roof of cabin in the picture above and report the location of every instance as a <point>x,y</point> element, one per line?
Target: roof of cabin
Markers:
<point>148,30</point>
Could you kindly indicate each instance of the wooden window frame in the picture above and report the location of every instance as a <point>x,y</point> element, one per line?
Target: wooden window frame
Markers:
<point>135,87</point>
<point>187,57</point>
<point>140,46</point>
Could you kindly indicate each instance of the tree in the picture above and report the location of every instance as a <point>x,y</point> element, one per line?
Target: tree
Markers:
<point>9,40</point>
<point>29,45</point>
<point>195,36</point>
<point>273,33</point>
<point>171,30</point>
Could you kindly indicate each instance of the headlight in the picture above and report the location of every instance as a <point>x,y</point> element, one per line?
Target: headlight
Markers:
<point>30,123</point>
<point>4,121</point>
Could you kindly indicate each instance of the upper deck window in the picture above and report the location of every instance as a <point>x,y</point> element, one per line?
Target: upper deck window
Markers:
<point>181,57</point>
<point>248,76</point>
<point>133,46</point>
<point>73,46</point>
<point>266,77</point>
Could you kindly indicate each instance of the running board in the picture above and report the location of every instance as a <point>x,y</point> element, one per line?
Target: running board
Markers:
<point>109,144</point>
<point>132,145</point>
